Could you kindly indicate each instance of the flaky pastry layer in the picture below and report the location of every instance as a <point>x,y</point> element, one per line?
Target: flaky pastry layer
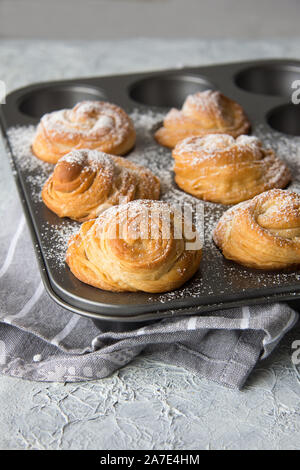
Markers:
<point>222,169</point>
<point>135,247</point>
<point>263,233</point>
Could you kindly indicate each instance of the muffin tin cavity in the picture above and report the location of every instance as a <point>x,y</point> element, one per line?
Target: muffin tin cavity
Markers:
<point>271,79</point>
<point>285,119</point>
<point>48,99</point>
<point>167,90</point>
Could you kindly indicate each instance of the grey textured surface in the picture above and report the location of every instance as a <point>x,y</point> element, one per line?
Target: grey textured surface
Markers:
<point>147,404</point>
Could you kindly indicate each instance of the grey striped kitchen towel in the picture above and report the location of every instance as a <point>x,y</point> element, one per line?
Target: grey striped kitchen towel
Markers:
<point>41,341</point>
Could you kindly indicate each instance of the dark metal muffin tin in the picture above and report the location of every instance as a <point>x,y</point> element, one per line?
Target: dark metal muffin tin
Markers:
<point>263,88</point>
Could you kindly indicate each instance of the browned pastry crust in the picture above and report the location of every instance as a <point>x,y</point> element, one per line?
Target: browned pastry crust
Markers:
<point>96,125</point>
<point>222,169</point>
<point>134,247</point>
<point>263,233</point>
<point>86,182</point>
<point>207,112</point>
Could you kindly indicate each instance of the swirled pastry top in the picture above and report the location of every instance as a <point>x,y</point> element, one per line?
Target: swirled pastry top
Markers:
<point>262,233</point>
<point>207,112</point>
<point>140,246</point>
<point>90,124</point>
<point>86,182</point>
<point>222,169</point>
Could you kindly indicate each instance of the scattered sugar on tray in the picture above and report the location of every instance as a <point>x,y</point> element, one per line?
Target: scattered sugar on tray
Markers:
<point>34,171</point>
<point>146,121</point>
<point>21,138</point>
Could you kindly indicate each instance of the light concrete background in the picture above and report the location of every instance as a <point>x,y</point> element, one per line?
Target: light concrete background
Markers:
<point>111,19</point>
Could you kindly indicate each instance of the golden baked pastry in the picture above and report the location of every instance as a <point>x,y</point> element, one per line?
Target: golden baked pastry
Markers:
<point>86,182</point>
<point>207,112</point>
<point>222,169</point>
<point>262,233</point>
<point>135,247</point>
<point>93,125</point>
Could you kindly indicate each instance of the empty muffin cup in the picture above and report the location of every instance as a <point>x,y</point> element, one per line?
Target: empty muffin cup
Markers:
<point>45,100</point>
<point>285,119</point>
<point>167,90</point>
<point>271,79</point>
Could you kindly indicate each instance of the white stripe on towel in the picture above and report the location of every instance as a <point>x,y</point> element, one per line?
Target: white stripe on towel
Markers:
<point>28,306</point>
<point>66,331</point>
<point>246,318</point>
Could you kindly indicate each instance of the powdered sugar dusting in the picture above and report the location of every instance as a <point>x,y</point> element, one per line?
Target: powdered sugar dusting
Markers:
<point>88,120</point>
<point>211,146</point>
<point>95,159</point>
